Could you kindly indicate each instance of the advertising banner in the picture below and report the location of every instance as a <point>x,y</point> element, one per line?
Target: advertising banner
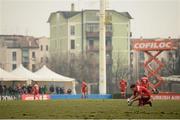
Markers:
<point>37,97</point>
<point>153,45</point>
<point>166,96</point>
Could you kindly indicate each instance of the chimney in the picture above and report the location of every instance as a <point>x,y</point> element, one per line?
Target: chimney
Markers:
<point>72,7</point>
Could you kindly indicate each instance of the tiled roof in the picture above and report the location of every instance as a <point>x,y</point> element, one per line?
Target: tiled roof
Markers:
<point>69,14</point>
<point>18,41</point>
<point>126,14</point>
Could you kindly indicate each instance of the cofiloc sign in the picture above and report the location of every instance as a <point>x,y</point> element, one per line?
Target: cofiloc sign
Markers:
<point>152,45</point>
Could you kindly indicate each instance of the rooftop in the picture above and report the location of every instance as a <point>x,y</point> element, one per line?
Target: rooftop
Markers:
<point>18,41</point>
<point>69,14</point>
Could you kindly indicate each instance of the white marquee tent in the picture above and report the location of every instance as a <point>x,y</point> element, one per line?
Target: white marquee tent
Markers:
<point>6,76</point>
<point>50,76</point>
<point>21,71</point>
<point>42,75</point>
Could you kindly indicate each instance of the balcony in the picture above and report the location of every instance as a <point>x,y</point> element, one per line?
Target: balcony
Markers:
<point>96,34</point>
<point>92,30</point>
<point>109,48</point>
<point>109,61</point>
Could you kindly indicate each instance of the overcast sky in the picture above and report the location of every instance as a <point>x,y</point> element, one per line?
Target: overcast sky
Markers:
<point>152,18</point>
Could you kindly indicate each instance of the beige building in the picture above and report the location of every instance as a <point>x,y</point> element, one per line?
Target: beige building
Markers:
<point>27,50</point>
<point>43,52</point>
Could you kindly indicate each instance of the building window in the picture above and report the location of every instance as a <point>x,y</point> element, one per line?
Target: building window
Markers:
<point>26,65</point>
<point>41,59</point>
<point>14,66</point>
<point>72,44</point>
<point>141,55</point>
<point>41,48</point>
<point>108,42</point>
<point>25,56</point>
<point>72,28</point>
<point>46,47</point>
<point>109,28</point>
<point>14,56</point>
<point>92,27</point>
<point>91,43</point>
<point>33,67</point>
<point>47,60</point>
<point>33,55</point>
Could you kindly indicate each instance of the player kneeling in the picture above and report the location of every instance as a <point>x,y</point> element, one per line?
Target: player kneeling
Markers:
<point>140,94</point>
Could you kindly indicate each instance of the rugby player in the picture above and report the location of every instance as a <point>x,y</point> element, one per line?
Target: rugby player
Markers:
<point>141,94</point>
<point>144,81</point>
<point>36,91</point>
<point>123,87</point>
<point>83,89</point>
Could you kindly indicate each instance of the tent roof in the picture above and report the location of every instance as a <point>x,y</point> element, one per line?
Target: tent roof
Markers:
<point>22,71</point>
<point>6,76</point>
<point>50,75</point>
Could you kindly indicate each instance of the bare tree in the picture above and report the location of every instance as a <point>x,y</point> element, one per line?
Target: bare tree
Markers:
<point>84,67</point>
<point>120,71</point>
<point>77,66</point>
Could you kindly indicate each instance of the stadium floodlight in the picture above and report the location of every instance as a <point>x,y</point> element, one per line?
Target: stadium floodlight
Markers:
<point>102,48</point>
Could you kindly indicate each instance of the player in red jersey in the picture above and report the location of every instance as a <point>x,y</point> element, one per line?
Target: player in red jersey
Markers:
<point>83,89</point>
<point>144,81</point>
<point>36,91</point>
<point>138,82</point>
<point>141,94</point>
<point>123,87</point>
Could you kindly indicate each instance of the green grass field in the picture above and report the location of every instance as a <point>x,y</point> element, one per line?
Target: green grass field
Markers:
<point>87,109</point>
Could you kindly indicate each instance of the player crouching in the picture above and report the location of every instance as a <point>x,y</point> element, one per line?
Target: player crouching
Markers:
<point>141,94</point>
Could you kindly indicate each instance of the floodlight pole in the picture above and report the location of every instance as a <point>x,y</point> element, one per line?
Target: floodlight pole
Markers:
<point>102,48</point>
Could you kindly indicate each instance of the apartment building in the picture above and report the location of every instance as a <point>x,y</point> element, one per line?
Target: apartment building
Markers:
<point>26,50</point>
<point>75,33</point>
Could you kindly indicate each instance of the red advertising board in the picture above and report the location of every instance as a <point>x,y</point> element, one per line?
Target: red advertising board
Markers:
<point>153,45</point>
<point>31,97</point>
<point>166,96</point>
